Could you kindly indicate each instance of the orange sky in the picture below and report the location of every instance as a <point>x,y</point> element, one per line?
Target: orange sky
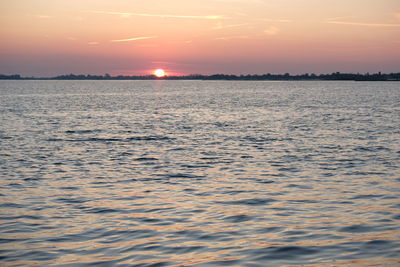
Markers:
<point>52,37</point>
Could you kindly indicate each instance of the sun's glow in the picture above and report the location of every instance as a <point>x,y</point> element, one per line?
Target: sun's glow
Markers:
<point>159,73</point>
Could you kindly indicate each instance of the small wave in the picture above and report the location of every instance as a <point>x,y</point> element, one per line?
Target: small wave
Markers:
<point>82,131</point>
<point>272,229</point>
<point>396,217</point>
<point>249,202</point>
<point>71,200</point>
<point>10,240</point>
<point>298,186</point>
<point>295,233</point>
<point>145,159</point>
<point>370,149</point>
<point>183,249</point>
<point>288,169</point>
<point>102,210</point>
<point>235,192</point>
<point>28,217</point>
<point>229,262</point>
<point>367,196</point>
<point>285,252</point>
<point>303,201</point>
<point>69,188</point>
<point>358,228</point>
<point>210,158</point>
<point>99,139</point>
<point>182,175</point>
<point>238,218</point>
<point>85,140</point>
<point>32,179</point>
<point>378,244</point>
<point>123,154</point>
<point>260,139</point>
<point>10,205</point>
<point>195,166</point>
<point>149,138</point>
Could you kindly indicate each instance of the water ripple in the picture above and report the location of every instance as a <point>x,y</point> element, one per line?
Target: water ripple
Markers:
<point>196,173</point>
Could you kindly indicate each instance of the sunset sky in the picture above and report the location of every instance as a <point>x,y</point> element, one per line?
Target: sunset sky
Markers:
<point>52,37</point>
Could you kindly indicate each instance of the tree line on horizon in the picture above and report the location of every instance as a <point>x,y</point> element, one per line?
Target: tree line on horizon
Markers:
<point>336,76</point>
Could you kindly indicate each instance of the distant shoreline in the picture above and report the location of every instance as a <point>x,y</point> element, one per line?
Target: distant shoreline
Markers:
<point>337,76</point>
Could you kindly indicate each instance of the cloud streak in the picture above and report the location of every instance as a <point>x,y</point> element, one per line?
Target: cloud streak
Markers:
<point>276,20</point>
<point>271,30</point>
<point>226,38</point>
<point>127,15</point>
<point>242,1</point>
<point>220,26</point>
<point>362,24</point>
<point>134,39</point>
<point>44,16</point>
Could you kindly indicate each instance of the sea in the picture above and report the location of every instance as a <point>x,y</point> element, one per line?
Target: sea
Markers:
<point>199,173</point>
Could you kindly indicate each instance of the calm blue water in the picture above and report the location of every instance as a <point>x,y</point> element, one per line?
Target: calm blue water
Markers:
<point>195,173</point>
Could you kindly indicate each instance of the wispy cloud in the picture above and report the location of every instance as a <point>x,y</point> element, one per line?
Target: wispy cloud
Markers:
<point>134,39</point>
<point>93,43</point>
<point>362,23</point>
<point>220,26</point>
<point>276,20</point>
<point>43,16</point>
<point>78,18</point>
<point>164,63</point>
<point>180,16</point>
<point>127,15</point>
<point>243,1</point>
<point>226,38</point>
<point>271,30</point>
<point>121,14</point>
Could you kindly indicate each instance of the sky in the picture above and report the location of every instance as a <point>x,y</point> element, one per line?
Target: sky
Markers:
<point>133,37</point>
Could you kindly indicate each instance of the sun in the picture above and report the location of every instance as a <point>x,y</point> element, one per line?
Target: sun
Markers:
<point>159,73</point>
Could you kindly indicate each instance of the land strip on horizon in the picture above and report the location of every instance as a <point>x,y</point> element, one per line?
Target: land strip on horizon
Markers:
<point>336,76</point>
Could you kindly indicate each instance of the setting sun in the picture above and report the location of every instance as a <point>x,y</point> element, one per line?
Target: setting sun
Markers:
<point>159,73</point>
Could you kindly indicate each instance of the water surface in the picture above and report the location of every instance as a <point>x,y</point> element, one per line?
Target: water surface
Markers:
<point>199,173</point>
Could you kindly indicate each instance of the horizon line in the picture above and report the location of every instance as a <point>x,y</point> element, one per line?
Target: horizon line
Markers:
<point>217,73</point>
<point>345,76</point>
